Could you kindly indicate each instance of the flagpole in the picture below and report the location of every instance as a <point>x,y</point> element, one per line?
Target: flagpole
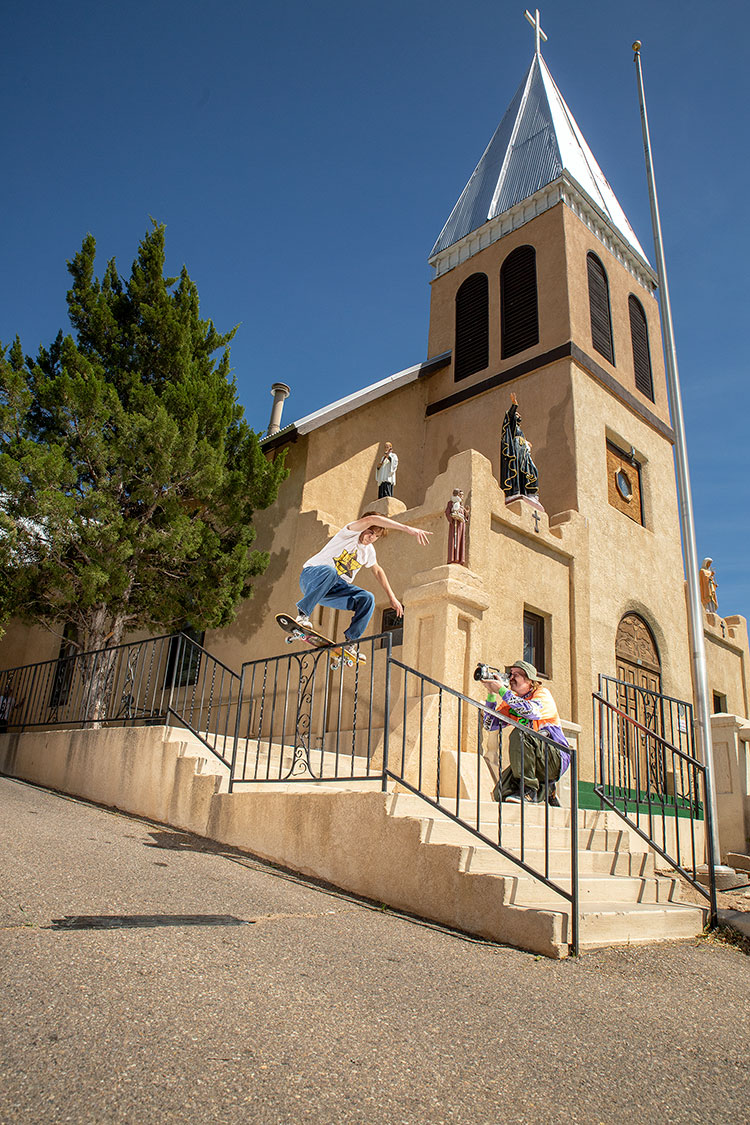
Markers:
<point>684,496</point>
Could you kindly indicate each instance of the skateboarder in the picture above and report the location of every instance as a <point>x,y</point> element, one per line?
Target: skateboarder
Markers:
<point>328,577</point>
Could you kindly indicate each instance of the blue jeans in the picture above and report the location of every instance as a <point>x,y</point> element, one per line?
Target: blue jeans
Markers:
<point>321,585</point>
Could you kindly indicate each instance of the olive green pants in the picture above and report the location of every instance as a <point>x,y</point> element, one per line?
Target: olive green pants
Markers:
<point>537,759</point>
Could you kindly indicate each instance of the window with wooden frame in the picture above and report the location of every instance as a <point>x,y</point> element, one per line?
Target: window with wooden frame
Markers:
<point>64,668</point>
<point>624,483</point>
<point>519,304</point>
<point>472,350</point>
<point>393,624</point>
<point>184,658</point>
<point>641,352</point>
<point>533,640</point>
<point>601,315</point>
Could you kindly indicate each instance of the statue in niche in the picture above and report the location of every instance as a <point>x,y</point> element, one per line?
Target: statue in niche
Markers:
<point>519,479</point>
<point>709,586</point>
<point>385,473</point>
<point>457,515</point>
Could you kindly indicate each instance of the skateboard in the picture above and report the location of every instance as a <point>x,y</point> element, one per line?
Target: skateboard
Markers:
<point>315,639</point>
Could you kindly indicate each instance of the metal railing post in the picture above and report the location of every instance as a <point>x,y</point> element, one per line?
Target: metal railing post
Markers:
<point>386,711</point>
<point>175,672</point>
<point>708,814</point>
<point>574,890</point>
<point>235,747</point>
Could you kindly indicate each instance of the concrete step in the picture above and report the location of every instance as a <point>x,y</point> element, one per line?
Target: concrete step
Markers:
<point>611,876</point>
<point>263,762</point>
<point>511,813</point>
<point>437,830</point>
<point>486,859</point>
<point>524,890</point>
<point>353,785</point>
<point>605,924</point>
<point>739,861</point>
<point>206,763</point>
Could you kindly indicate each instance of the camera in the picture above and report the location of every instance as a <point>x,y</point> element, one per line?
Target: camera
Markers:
<point>483,672</point>
<point>487,672</point>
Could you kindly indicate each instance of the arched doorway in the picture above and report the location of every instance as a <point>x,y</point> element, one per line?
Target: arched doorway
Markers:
<point>639,696</point>
<point>636,654</point>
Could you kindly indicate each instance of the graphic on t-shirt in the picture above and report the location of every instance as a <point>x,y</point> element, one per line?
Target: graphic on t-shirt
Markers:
<point>347,564</point>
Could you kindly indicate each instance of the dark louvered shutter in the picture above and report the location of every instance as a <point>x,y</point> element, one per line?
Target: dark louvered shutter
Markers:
<point>519,309</point>
<point>641,352</point>
<point>472,326</point>
<point>601,319</point>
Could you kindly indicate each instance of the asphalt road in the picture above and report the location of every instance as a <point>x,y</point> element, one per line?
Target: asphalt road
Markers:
<point>148,976</point>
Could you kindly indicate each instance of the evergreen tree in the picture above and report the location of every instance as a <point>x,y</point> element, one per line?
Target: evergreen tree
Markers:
<point>128,474</point>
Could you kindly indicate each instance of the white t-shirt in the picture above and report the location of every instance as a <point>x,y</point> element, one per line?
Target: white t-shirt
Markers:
<point>346,553</point>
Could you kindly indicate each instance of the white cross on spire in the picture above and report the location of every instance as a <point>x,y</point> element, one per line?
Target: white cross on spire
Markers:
<point>538,33</point>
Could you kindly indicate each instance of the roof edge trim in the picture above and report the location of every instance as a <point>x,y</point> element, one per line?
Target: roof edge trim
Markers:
<point>565,189</point>
<point>360,398</point>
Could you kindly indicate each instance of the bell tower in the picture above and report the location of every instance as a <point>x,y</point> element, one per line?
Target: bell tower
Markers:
<point>541,288</point>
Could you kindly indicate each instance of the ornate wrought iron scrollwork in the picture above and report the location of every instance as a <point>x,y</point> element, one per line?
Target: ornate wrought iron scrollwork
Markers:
<point>127,708</point>
<point>308,663</point>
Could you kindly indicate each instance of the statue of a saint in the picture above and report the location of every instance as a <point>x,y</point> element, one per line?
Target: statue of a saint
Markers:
<point>458,516</point>
<point>709,586</point>
<point>385,472</point>
<point>519,479</point>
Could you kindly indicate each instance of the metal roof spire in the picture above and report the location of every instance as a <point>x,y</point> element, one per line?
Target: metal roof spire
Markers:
<point>538,143</point>
<point>538,33</point>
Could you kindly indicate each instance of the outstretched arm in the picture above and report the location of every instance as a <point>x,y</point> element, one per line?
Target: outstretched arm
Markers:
<point>422,537</point>
<point>382,578</point>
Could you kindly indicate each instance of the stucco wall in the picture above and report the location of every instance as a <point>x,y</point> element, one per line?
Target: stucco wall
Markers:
<point>728,661</point>
<point>23,645</point>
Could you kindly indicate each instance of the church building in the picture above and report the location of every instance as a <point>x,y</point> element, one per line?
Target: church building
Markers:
<point>541,290</point>
<point>541,295</point>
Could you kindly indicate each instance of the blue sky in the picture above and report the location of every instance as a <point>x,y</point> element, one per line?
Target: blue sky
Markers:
<point>304,157</point>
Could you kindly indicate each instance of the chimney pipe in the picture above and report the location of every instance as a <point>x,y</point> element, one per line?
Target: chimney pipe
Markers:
<point>280,391</point>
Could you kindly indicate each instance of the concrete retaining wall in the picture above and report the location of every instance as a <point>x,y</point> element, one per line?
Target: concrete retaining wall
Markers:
<point>345,838</point>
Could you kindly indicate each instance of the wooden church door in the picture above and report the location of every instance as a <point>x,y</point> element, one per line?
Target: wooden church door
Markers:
<point>638,695</point>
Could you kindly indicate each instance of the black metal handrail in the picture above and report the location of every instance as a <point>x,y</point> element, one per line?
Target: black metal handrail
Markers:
<point>312,716</point>
<point>138,683</point>
<point>458,728</point>
<point>665,715</point>
<point>208,699</point>
<point>662,805</point>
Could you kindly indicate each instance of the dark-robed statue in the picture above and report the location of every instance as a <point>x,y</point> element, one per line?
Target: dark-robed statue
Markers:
<point>518,476</point>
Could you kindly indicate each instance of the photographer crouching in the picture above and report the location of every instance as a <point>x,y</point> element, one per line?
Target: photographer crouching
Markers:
<point>522,696</point>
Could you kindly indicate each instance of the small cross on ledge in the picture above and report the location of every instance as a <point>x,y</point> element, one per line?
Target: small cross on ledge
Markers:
<point>536,24</point>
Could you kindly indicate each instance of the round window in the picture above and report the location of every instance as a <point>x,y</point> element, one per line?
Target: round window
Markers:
<point>624,487</point>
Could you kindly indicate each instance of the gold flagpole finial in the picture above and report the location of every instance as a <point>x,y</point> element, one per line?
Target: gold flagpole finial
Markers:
<point>637,46</point>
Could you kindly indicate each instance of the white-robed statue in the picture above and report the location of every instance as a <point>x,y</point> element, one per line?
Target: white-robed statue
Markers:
<point>385,473</point>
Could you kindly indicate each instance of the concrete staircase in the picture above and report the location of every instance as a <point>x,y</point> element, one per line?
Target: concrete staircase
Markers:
<point>390,848</point>
<point>623,898</point>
